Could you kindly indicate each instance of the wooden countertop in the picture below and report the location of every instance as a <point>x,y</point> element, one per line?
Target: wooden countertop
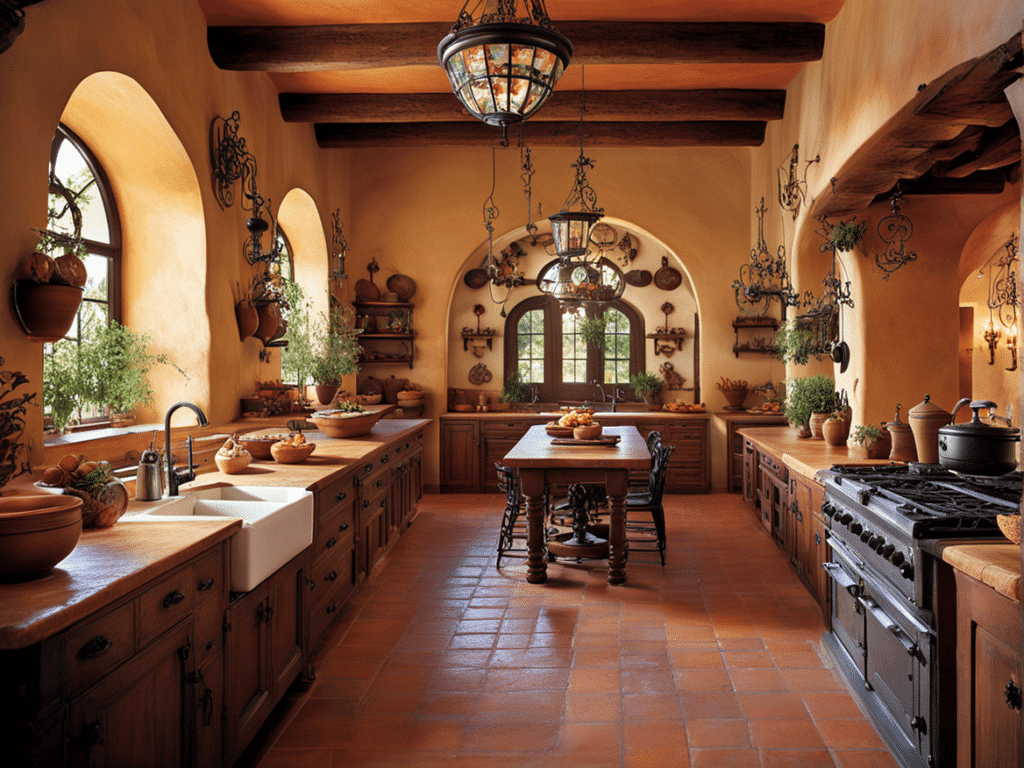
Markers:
<point>330,457</point>
<point>107,564</point>
<point>604,416</point>
<point>805,456</point>
<point>995,563</point>
<point>110,563</point>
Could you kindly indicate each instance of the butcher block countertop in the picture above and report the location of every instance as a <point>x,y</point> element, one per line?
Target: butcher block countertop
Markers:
<point>805,456</point>
<point>995,563</point>
<point>112,562</point>
<point>627,417</point>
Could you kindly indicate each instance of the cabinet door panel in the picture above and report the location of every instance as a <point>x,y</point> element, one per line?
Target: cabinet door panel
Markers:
<point>209,700</point>
<point>460,456</point>
<point>285,626</point>
<point>246,660</point>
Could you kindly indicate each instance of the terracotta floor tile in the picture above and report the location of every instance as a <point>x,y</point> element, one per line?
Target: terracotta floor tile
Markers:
<point>725,758</point>
<point>439,660</point>
<point>796,733</point>
<point>796,758</point>
<point>849,734</point>
<point>717,733</point>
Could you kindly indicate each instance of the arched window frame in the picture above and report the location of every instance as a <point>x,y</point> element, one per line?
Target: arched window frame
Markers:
<point>112,250</point>
<point>553,389</point>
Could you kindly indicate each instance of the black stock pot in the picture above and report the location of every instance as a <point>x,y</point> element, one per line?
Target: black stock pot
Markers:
<point>978,448</point>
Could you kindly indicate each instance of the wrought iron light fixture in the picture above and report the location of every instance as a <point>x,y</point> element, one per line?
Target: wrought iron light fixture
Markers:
<point>793,189</point>
<point>765,278</point>
<point>340,245</point>
<point>894,230</point>
<point>503,66</point>
<point>1002,300</point>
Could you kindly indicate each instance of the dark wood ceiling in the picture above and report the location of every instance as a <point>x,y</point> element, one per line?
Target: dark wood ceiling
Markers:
<point>658,72</point>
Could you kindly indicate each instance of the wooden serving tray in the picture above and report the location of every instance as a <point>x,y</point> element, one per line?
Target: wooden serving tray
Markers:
<point>556,431</point>
<point>602,440</point>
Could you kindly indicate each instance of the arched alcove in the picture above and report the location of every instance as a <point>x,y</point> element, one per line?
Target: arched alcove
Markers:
<point>300,219</point>
<point>648,300</point>
<point>163,229</point>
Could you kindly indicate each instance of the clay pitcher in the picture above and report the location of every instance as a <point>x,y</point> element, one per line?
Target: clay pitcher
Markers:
<point>903,448</point>
<point>248,319</point>
<point>926,419</point>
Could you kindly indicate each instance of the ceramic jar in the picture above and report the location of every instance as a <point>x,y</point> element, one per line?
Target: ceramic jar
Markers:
<point>836,431</point>
<point>926,419</point>
<point>818,418</point>
<point>903,448</point>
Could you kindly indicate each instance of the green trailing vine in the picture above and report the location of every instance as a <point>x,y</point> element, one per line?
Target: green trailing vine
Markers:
<point>845,235</point>
<point>592,330</point>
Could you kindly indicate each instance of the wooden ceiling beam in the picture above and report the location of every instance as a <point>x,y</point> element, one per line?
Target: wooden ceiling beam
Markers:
<point>735,133</point>
<point>724,104</point>
<point>370,46</point>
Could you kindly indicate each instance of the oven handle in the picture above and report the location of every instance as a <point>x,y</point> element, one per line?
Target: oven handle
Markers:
<point>842,579</point>
<point>883,619</point>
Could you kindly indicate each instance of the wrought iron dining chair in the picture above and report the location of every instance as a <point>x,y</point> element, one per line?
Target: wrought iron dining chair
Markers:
<point>513,522</point>
<point>653,439</point>
<point>640,533</point>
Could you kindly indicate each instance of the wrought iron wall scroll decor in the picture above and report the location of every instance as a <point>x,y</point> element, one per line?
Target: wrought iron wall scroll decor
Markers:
<point>339,243</point>
<point>894,230</point>
<point>766,278</point>
<point>1002,300</point>
<point>793,188</point>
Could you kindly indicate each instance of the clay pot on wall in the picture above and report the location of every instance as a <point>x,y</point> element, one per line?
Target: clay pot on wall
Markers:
<point>248,319</point>
<point>269,319</point>
<point>46,311</point>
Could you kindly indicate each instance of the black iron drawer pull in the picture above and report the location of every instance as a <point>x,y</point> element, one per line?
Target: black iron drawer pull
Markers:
<point>95,648</point>
<point>368,467</point>
<point>331,542</point>
<point>210,644</point>
<point>379,483</point>
<point>331,609</point>
<point>342,527</point>
<point>341,496</point>
<point>1012,696</point>
<point>204,585</point>
<point>331,576</point>
<point>382,501</point>
<point>366,503</point>
<point>174,598</point>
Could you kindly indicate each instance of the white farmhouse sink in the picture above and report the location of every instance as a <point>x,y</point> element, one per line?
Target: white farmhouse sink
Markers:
<point>277,524</point>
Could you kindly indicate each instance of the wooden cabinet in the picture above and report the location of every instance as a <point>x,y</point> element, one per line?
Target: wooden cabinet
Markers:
<point>751,477</point>
<point>774,486</point>
<point>460,456</point>
<point>988,680</point>
<point>807,544</point>
<point>125,686</point>
<point>263,651</point>
<point>689,467</point>
<point>736,443</point>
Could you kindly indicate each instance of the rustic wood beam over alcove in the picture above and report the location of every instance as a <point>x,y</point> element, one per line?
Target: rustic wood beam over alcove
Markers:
<point>365,46</point>
<point>680,133</point>
<point>722,104</point>
<point>955,136</point>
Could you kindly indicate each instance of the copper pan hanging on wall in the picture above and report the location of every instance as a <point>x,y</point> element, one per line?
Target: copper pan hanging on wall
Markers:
<point>667,278</point>
<point>638,278</point>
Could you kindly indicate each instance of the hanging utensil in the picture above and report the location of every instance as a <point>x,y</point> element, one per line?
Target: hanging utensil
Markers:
<point>667,278</point>
<point>638,278</point>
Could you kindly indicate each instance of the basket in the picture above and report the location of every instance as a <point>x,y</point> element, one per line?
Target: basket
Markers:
<point>285,453</point>
<point>1010,526</point>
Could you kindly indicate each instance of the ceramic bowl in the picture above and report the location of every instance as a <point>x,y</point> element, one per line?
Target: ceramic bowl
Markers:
<point>284,453</point>
<point>371,399</point>
<point>590,432</point>
<point>36,533</point>
<point>258,446</point>
<point>232,465</point>
<point>339,424</point>
<point>1010,526</point>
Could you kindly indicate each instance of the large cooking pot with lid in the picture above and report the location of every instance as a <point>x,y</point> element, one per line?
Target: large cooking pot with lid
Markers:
<point>978,448</point>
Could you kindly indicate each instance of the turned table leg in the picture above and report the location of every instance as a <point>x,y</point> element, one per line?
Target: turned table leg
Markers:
<point>533,492</point>
<point>616,489</point>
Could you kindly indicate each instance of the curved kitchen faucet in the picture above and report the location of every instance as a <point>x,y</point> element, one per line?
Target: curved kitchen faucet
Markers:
<point>177,477</point>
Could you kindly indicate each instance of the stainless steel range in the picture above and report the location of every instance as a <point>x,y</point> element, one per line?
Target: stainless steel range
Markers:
<point>883,522</point>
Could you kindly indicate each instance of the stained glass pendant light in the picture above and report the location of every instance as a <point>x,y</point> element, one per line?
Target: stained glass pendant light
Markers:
<point>502,64</point>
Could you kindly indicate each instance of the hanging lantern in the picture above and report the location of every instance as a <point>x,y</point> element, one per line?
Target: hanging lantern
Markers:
<point>502,65</point>
<point>578,281</point>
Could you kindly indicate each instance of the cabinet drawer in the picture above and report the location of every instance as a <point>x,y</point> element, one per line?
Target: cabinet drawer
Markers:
<point>209,623</point>
<point>96,647</point>
<point>373,474</point>
<point>324,611</point>
<point>166,603</point>
<point>209,575</point>
<point>505,428</point>
<point>330,570</point>
<point>334,532</point>
<point>336,492</point>
<point>773,466</point>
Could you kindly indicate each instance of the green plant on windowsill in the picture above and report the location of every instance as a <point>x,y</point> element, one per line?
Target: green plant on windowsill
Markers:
<point>592,330</point>
<point>514,391</point>
<point>646,385</point>
<point>807,395</point>
<point>796,344</point>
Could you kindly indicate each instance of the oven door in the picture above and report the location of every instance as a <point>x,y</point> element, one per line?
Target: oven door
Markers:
<point>847,612</point>
<point>898,663</point>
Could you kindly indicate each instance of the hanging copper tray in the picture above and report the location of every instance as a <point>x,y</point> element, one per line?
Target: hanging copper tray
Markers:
<point>667,278</point>
<point>638,278</point>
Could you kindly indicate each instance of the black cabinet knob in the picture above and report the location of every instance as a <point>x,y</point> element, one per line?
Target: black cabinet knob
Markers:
<point>174,598</point>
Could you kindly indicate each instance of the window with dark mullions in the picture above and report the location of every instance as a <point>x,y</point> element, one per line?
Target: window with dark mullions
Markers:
<point>545,346</point>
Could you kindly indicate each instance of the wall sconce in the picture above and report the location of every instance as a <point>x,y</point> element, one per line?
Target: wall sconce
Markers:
<point>1002,298</point>
<point>792,188</point>
<point>1011,343</point>
<point>340,245</point>
<point>991,335</point>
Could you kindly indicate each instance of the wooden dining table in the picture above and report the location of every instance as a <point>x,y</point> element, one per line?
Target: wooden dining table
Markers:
<point>542,464</point>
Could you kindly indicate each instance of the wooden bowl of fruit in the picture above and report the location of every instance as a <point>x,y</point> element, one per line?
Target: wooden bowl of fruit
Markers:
<point>292,449</point>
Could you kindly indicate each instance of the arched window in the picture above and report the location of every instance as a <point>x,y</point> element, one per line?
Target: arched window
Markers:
<point>545,346</point>
<point>76,173</point>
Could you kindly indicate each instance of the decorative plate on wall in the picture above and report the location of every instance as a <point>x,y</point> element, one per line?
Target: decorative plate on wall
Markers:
<point>479,374</point>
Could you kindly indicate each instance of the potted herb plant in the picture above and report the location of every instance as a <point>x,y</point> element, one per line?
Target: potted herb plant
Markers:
<point>647,386</point>
<point>514,391</point>
<point>807,395</point>
<point>867,442</point>
<point>335,351</point>
<point>795,343</point>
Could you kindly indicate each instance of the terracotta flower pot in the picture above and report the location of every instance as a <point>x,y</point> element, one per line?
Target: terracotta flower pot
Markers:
<point>248,319</point>
<point>46,311</point>
<point>325,393</point>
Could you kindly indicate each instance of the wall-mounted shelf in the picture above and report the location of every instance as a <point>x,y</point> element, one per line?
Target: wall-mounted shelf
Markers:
<point>489,337</point>
<point>381,344</point>
<point>758,345</point>
<point>669,339</point>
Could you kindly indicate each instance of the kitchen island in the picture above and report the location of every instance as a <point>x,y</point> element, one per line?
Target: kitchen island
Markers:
<point>123,655</point>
